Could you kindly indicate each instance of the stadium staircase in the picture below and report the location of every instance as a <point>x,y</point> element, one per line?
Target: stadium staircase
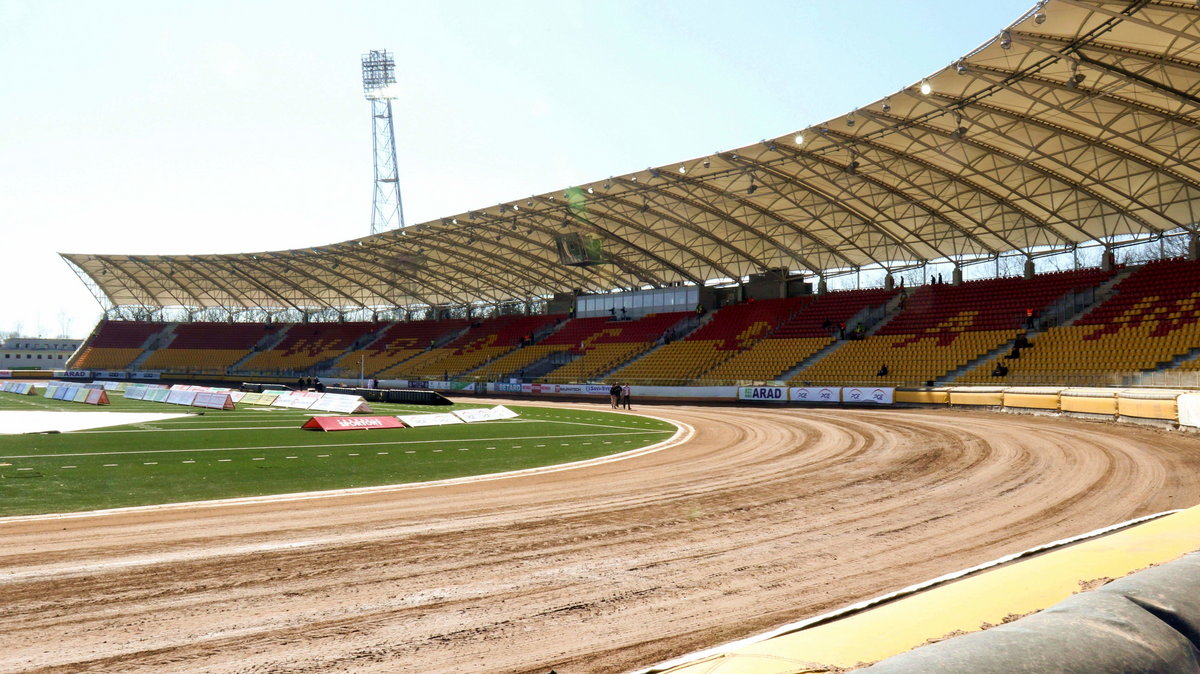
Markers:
<point>158,340</point>
<point>269,341</point>
<point>682,330</point>
<point>518,360</point>
<point>874,316</point>
<point>604,344</point>
<point>325,368</point>
<point>793,374</point>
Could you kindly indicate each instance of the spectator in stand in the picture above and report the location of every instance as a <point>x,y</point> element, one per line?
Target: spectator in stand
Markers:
<point>841,330</point>
<point>859,330</point>
<point>1022,341</point>
<point>318,385</point>
<point>1030,319</point>
<point>626,395</point>
<point>1001,370</point>
<point>614,395</point>
<point>699,310</point>
<point>827,325</point>
<point>883,371</point>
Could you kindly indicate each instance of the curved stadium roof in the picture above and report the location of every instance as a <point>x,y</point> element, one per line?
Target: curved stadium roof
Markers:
<point>1077,123</point>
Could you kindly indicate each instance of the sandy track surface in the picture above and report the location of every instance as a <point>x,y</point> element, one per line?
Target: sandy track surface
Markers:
<point>764,517</point>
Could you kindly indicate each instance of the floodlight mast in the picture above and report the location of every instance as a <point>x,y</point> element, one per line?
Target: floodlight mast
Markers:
<point>379,78</point>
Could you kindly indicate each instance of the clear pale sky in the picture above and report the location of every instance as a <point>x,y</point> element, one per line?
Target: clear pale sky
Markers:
<point>163,127</point>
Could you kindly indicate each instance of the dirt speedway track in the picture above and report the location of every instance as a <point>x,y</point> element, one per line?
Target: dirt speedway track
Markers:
<point>764,517</point>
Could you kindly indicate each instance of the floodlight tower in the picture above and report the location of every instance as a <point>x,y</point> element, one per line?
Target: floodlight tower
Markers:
<point>379,78</point>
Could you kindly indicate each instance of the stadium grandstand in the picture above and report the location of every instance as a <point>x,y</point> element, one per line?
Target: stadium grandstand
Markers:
<point>1026,214</point>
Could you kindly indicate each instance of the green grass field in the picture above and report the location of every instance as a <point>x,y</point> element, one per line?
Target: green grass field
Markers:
<point>249,452</point>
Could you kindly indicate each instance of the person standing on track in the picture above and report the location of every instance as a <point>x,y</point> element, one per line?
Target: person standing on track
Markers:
<point>626,393</point>
<point>614,395</point>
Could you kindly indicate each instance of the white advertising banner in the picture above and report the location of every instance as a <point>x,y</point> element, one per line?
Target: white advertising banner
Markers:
<point>1189,409</point>
<point>874,395</point>
<point>300,400</point>
<point>217,400</point>
<point>485,414</point>
<point>341,402</point>
<point>181,397</point>
<point>816,394</point>
<point>416,420</point>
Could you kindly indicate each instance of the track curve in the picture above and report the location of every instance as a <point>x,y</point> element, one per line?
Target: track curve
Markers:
<point>765,516</point>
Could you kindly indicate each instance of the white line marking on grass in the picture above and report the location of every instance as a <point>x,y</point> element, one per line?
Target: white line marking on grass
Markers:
<point>322,456</point>
<point>24,469</point>
<point>291,457</point>
<point>437,450</point>
<point>391,443</point>
<point>463,449</point>
<point>351,455</point>
<point>110,465</point>
<point>189,430</point>
<point>149,463</point>
<point>189,461</point>
<point>409,452</point>
<point>224,460</point>
<point>69,466</point>
<point>259,458</point>
<point>381,453</point>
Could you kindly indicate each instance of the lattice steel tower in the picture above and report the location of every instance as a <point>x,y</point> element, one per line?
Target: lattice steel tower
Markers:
<point>379,76</point>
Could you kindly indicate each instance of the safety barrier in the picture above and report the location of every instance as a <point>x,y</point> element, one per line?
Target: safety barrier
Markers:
<point>1143,622</point>
<point>1033,397</point>
<point>1148,404</point>
<point>923,396</point>
<point>1099,401</point>
<point>992,396</point>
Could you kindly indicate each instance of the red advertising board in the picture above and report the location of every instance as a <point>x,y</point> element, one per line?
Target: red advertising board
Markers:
<point>351,423</point>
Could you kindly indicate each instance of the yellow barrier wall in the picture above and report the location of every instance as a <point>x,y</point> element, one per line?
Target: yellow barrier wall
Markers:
<point>1147,409</point>
<point>977,396</point>
<point>1038,398</point>
<point>1099,403</point>
<point>924,396</point>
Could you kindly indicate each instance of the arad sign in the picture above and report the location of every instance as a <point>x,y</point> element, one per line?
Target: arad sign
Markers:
<point>771,394</point>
